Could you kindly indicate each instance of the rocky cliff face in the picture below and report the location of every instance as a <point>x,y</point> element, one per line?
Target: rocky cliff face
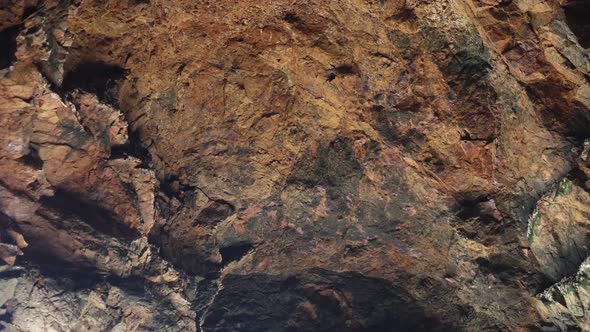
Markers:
<point>307,165</point>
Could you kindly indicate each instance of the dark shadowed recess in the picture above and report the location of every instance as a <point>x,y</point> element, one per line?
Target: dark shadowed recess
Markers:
<point>32,158</point>
<point>98,78</point>
<point>234,252</point>
<point>76,277</point>
<point>317,300</point>
<point>558,114</point>
<point>103,80</point>
<point>577,15</point>
<point>8,46</point>
<point>99,218</point>
<point>133,148</point>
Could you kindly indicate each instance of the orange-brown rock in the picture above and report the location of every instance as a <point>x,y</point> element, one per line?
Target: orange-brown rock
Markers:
<point>355,165</point>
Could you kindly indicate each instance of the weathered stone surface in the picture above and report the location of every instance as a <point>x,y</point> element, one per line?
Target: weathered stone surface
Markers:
<point>566,303</point>
<point>558,230</point>
<point>293,165</point>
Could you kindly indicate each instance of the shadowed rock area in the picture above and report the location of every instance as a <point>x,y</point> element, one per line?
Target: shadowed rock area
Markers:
<point>351,165</point>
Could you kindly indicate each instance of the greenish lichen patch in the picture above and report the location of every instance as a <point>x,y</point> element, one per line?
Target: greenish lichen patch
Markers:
<point>470,62</point>
<point>585,150</point>
<point>54,52</point>
<point>74,134</point>
<point>401,41</point>
<point>433,39</point>
<point>534,222</point>
<point>569,288</point>
<point>168,99</point>
<point>565,187</point>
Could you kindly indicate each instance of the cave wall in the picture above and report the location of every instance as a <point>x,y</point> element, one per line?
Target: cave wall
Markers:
<point>303,165</point>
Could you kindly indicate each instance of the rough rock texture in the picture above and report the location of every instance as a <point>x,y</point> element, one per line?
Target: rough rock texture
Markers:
<point>305,165</point>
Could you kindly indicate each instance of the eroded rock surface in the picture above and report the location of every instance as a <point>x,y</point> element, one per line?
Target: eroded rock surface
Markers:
<point>307,165</point>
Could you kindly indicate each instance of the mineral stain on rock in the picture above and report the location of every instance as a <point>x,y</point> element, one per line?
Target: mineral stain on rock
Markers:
<point>294,165</point>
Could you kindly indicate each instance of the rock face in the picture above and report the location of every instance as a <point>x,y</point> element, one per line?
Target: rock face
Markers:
<point>307,165</point>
